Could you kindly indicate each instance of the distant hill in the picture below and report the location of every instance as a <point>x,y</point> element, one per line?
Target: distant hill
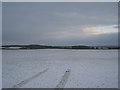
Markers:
<point>35,46</point>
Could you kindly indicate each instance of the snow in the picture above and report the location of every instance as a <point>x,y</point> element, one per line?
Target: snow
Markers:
<point>0,69</point>
<point>88,68</point>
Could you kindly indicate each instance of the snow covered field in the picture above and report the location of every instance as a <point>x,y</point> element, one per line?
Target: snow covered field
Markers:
<point>48,68</point>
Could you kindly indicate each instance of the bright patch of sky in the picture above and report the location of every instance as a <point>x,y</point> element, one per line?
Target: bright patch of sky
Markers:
<point>108,29</point>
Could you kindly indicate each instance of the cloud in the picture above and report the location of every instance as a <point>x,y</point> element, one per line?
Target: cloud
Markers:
<point>66,14</point>
<point>57,23</point>
<point>101,39</point>
<point>0,23</point>
<point>73,32</point>
<point>116,26</point>
<point>92,30</point>
<point>67,33</point>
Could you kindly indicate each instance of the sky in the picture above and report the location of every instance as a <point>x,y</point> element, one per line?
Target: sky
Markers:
<point>60,23</point>
<point>60,0</point>
<point>0,23</point>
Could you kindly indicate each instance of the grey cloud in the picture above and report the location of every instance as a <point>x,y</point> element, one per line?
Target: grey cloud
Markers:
<point>116,26</point>
<point>0,23</point>
<point>102,39</point>
<point>35,22</point>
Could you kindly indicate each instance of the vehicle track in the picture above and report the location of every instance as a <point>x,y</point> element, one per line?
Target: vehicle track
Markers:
<point>64,79</point>
<point>29,79</point>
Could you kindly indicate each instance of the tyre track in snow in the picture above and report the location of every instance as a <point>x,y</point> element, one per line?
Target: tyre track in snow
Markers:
<point>64,79</point>
<point>29,79</point>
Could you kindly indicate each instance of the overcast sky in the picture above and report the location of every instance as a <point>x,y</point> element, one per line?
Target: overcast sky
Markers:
<point>78,23</point>
<point>60,0</point>
<point>0,23</point>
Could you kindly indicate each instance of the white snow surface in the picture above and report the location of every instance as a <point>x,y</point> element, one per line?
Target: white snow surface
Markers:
<point>89,68</point>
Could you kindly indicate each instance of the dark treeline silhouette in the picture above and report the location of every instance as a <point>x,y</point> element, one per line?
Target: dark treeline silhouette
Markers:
<point>35,46</point>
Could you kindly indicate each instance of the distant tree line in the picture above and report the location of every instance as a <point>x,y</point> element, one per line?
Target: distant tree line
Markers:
<point>34,46</point>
